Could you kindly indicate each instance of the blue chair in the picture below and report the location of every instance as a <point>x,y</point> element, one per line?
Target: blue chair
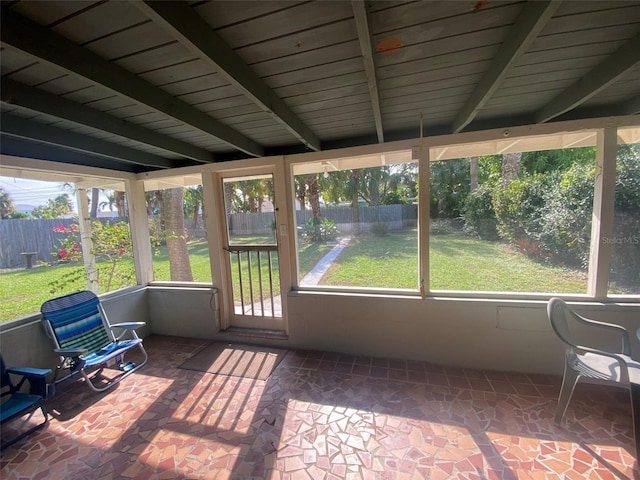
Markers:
<point>86,342</point>
<point>18,404</point>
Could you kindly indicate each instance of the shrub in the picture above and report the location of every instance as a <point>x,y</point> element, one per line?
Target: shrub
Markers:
<point>319,231</point>
<point>519,206</point>
<point>565,222</point>
<point>110,242</point>
<point>479,215</point>
<point>443,226</point>
<point>379,229</point>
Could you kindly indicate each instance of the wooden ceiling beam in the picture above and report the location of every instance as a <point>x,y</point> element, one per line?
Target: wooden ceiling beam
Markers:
<point>603,75</point>
<point>49,47</point>
<point>38,100</point>
<point>43,133</point>
<point>363,25</point>
<point>183,23</point>
<point>528,25</point>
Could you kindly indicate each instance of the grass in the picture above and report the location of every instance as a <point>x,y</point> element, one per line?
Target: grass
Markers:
<point>462,263</point>
<point>390,261</point>
<point>456,263</point>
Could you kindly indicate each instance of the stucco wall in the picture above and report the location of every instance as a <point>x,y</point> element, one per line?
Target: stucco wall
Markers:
<point>487,334</point>
<point>183,312</point>
<point>23,342</point>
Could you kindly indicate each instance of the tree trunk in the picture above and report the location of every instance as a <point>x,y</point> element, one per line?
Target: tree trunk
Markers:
<point>228,197</point>
<point>196,209</point>
<point>314,195</point>
<point>120,205</point>
<point>95,198</point>
<point>355,206</point>
<point>173,212</point>
<point>510,167</point>
<point>474,173</point>
<point>301,194</point>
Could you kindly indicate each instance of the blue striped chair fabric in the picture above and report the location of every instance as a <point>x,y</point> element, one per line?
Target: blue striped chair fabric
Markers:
<point>76,322</point>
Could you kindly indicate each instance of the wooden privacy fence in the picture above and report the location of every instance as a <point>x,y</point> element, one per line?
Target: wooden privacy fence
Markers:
<point>37,235</point>
<point>25,235</point>
<point>33,235</point>
<point>396,217</point>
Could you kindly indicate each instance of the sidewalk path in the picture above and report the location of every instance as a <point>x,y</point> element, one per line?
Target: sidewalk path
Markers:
<point>320,268</point>
<point>310,279</point>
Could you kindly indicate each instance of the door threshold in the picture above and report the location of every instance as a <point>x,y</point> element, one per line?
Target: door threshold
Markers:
<point>255,336</point>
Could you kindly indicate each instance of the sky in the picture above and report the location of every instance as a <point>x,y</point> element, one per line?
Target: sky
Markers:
<point>35,193</point>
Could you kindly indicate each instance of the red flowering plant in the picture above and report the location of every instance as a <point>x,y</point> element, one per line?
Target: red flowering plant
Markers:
<point>111,243</point>
<point>68,250</point>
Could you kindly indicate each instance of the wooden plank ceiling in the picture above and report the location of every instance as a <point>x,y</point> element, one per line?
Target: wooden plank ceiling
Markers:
<point>137,86</point>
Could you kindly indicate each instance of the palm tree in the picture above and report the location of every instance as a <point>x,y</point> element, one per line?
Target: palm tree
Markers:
<point>110,203</point>
<point>311,181</point>
<point>510,167</point>
<point>352,190</point>
<point>173,217</point>
<point>6,204</point>
<point>95,196</point>
<point>193,200</point>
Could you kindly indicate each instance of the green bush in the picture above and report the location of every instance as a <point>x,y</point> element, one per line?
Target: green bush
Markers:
<point>379,229</point>
<point>444,226</point>
<point>519,206</point>
<point>565,223</point>
<point>625,259</point>
<point>319,231</point>
<point>478,214</point>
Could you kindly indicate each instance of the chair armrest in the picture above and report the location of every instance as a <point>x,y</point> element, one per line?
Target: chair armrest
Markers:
<point>29,372</point>
<point>622,359</point>
<point>128,325</point>
<point>71,352</point>
<point>36,378</point>
<point>626,344</point>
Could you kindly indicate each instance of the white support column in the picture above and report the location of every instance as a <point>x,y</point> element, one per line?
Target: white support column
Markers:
<point>139,227</point>
<point>424,211</point>
<point>602,220</point>
<point>85,240</point>
<point>215,224</point>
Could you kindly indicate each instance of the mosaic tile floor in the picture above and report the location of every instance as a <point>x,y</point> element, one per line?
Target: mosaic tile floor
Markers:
<point>325,416</point>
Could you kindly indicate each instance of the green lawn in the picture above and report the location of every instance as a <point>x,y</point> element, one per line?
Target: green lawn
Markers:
<point>456,263</point>
<point>390,261</point>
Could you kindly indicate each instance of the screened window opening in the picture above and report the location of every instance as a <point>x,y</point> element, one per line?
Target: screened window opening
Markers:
<point>179,245</point>
<point>356,222</point>
<point>59,237</point>
<point>624,277</point>
<point>519,221</point>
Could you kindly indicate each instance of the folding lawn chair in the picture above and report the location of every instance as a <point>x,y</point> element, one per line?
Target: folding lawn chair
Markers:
<point>85,340</point>
<point>17,404</point>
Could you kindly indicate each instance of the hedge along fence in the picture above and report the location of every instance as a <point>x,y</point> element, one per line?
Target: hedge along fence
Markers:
<point>396,217</point>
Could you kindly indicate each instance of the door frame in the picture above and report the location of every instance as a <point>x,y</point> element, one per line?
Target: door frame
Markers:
<point>217,231</point>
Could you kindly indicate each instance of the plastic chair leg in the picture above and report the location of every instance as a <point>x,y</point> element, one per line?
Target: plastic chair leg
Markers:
<point>568,384</point>
<point>635,414</point>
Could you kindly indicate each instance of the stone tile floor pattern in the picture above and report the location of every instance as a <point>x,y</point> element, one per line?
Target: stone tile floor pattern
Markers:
<point>326,416</point>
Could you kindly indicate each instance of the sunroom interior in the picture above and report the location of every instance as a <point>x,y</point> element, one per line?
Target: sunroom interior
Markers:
<point>140,97</point>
